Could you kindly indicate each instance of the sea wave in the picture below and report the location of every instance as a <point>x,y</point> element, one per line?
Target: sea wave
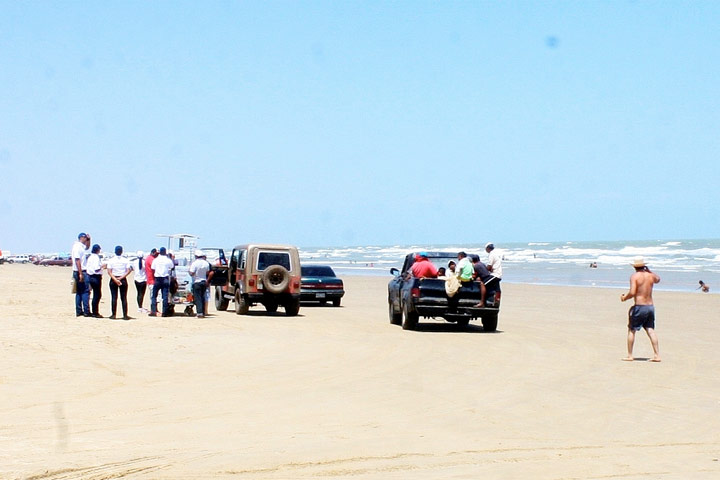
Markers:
<point>556,263</point>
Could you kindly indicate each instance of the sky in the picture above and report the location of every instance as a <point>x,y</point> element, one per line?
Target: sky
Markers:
<point>326,123</point>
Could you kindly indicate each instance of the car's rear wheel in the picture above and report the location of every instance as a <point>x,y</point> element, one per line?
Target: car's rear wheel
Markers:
<point>395,318</point>
<point>275,279</point>
<point>221,303</point>
<point>241,304</point>
<point>336,302</point>
<point>489,322</point>
<point>463,323</point>
<point>409,319</point>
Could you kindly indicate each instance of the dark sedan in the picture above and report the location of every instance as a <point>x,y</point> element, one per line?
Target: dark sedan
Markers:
<point>320,284</point>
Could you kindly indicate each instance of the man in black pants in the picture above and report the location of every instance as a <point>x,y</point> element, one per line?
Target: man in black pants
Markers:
<point>119,268</point>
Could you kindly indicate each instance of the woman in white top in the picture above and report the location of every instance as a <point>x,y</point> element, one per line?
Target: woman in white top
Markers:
<point>94,267</point>
<point>118,268</point>
<point>140,279</point>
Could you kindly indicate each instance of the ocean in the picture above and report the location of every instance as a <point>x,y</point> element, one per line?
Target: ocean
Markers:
<point>680,263</point>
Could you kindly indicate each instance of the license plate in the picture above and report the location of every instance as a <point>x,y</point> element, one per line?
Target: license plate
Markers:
<point>319,295</point>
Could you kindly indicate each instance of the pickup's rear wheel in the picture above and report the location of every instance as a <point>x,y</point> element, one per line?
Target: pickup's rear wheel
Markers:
<point>241,304</point>
<point>409,319</point>
<point>221,303</point>
<point>489,321</point>
<point>395,318</point>
<point>463,323</point>
<point>336,302</point>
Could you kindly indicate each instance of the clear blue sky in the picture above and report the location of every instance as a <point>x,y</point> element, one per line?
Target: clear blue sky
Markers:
<point>351,123</point>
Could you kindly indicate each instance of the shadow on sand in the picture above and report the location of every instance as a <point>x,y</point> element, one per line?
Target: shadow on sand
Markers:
<point>448,327</point>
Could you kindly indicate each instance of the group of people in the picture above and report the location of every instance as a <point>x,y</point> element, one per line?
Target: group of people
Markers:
<point>156,271</point>
<point>468,269</point>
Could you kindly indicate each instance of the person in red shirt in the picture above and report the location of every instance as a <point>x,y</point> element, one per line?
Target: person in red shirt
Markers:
<point>423,268</point>
<point>149,271</point>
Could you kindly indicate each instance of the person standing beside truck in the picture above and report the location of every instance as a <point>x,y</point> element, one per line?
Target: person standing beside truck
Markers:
<point>201,275</point>
<point>79,253</point>
<point>162,267</point>
<point>494,261</point>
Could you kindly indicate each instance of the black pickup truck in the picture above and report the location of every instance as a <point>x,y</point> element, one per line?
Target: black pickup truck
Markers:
<point>410,298</point>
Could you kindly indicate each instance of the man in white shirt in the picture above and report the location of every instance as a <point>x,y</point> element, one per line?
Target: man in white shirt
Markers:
<point>118,268</point>
<point>162,266</point>
<point>79,253</point>
<point>201,274</point>
<point>494,263</point>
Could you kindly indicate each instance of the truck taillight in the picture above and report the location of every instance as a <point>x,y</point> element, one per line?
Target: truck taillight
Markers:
<point>415,292</point>
<point>296,283</point>
<point>251,282</point>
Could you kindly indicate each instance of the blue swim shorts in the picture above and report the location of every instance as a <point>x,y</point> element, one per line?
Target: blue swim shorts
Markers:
<point>642,316</point>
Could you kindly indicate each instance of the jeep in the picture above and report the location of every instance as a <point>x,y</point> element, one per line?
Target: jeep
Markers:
<point>258,274</point>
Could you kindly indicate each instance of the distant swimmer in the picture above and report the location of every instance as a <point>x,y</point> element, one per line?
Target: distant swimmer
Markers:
<point>703,286</point>
<point>642,314</point>
<point>593,265</point>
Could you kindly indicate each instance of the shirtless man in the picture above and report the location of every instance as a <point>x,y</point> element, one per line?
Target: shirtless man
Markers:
<point>642,314</point>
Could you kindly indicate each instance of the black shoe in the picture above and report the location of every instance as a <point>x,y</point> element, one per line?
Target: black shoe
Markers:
<point>112,317</point>
<point>151,314</point>
<point>87,315</point>
<point>97,315</point>
<point>125,317</point>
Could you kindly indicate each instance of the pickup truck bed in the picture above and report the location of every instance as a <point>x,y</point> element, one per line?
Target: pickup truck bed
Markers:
<point>410,298</point>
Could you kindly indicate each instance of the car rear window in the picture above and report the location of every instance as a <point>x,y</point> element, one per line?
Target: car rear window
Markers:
<point>317,272</point>
<point>268,259</point>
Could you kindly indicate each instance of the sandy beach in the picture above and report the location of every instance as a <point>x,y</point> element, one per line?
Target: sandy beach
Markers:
<point>341,393</point>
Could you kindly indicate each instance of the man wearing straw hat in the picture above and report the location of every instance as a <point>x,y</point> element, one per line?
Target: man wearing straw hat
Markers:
<point>642,314</point>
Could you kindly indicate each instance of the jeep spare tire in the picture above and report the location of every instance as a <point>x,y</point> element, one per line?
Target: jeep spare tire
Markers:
<point>276,279</point>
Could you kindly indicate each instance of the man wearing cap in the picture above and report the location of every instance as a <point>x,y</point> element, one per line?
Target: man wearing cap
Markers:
<point>642,314</point>
<point>201,275</point>
<point>494,263</point>
<point>79,253</point>
<point>423,268</point>
<point>162,266</point>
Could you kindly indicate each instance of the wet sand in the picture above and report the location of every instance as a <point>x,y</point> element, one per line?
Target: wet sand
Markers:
<point>341,393</point>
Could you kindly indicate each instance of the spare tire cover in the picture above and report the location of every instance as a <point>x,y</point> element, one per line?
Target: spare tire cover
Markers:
<point>275,279</point>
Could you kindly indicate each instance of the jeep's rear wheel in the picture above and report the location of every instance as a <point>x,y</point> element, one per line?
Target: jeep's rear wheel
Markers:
<point>409,319</point>
<point>275,279</point>
<point>241,304</point>
<point>489,322</point>
<point>221,303</point>
<point>271,307</point>
<point>292,308</point>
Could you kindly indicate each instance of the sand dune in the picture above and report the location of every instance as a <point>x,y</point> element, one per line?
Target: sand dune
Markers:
<point>341,393</point>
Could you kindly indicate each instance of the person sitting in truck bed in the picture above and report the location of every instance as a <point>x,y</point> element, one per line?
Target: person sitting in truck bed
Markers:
<point>481,274</point>
<point>423,268</point>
